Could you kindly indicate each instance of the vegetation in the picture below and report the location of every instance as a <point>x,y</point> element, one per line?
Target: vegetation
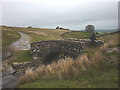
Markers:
<point>87,79</point>
<point>110,38</point>
<point>97,68</point>
<point>37,34</point>
<point>90,70</point>
<point>76,34</point>
<point>22,56</point>
<point>8,37</point>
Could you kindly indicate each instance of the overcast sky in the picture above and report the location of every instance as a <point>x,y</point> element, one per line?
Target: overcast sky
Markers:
<point>72,14</point>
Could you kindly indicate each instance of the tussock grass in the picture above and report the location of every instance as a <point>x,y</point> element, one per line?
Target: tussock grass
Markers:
<point>65,69</point>
<point>104,47</point>
<point>29,76</point>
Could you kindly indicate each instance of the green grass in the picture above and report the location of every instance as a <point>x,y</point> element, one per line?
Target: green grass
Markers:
<point>76,34</point>
<point>8,37</point>
<point>90,51</point>
<point>22,56</point>
<point>36,37</point>
<point>108,38</point>
<point>45,35</point>
<point>37,34</point>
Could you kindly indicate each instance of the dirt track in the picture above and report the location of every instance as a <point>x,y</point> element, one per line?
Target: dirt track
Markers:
<point>23,43</point>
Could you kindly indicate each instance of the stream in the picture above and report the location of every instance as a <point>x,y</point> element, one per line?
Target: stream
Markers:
<point>10,76</point>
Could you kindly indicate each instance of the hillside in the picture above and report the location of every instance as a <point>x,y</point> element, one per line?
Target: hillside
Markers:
<point>101,73</point>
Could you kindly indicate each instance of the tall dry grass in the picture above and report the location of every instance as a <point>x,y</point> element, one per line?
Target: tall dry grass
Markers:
<point>64,69</point>
<point>29,76</point>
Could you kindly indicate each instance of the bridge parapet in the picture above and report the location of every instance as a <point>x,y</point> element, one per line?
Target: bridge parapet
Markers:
<point>40,50</point>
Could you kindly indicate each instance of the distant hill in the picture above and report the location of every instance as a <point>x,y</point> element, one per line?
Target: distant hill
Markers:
<point>113,30</point>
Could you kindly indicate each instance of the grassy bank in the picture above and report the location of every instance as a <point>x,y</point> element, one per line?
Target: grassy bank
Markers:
<point>8,37</point>
<point>21,56</point>
<point>87,79</point>
<point>86,71</point>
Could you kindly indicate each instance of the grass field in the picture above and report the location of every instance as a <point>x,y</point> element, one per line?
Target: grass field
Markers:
<point>100,75</point>
<point>37,34</point>
<point>76,34</point>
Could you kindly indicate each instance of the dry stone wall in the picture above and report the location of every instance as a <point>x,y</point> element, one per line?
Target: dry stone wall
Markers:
<point>46,50</point>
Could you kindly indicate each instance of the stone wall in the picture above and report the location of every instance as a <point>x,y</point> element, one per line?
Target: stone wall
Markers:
<point>40,50</point>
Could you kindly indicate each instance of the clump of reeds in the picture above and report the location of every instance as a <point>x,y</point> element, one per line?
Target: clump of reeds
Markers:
<point>28,76</point>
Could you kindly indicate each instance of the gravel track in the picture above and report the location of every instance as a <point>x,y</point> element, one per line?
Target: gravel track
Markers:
<point>23,43</point>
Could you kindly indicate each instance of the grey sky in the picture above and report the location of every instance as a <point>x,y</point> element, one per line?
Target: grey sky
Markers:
<point>74,14</point>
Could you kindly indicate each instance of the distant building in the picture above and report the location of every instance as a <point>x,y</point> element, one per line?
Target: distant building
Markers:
<point>90,28</point>
<point>64,28</point>
<point>61,28</point>
<point>29,26</point>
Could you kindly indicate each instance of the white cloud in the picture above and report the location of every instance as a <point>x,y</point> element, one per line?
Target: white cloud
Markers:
<point>70,14</point>
<point>65,1</point>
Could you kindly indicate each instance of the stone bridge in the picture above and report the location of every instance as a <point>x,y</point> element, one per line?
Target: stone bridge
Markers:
<point>53,50</point>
